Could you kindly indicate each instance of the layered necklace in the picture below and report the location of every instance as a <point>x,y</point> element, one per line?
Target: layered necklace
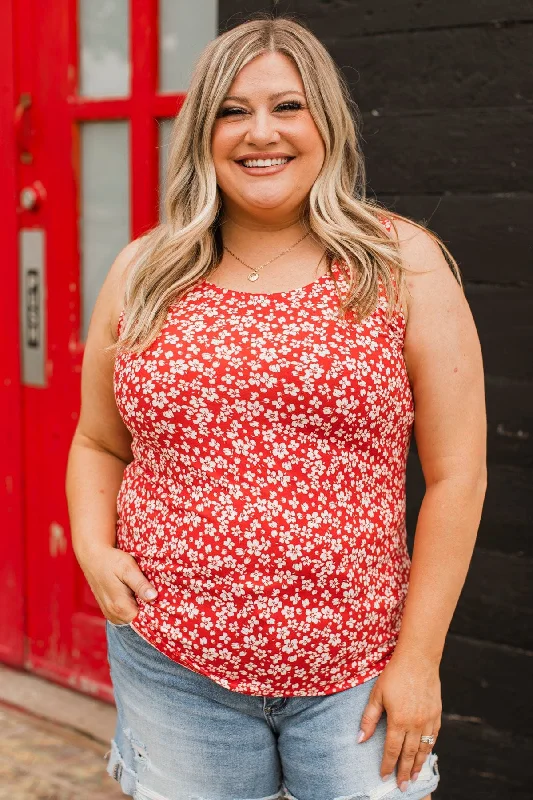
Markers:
<point>254,274</point>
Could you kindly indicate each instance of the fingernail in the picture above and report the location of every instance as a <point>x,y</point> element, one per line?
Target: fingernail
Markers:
<point>360,737</point>
<point>403,786</point>
<point>386,777</point>
<point>415,776</point>
<point>150,594</point>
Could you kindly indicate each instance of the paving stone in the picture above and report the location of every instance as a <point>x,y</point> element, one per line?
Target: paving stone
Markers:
<point>40,760</point>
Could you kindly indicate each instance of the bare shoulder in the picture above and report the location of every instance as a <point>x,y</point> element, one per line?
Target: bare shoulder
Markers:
<point>116,281</point>
<point>99,418</point>
<point>419,250</point>
<point>444,362</point>
<point>428,276</point>
<point>440,325</point>
<point>110,300</point>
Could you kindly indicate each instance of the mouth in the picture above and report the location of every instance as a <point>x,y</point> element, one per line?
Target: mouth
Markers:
<point>264,166</point>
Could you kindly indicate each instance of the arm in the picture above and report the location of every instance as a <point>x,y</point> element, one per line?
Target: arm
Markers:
<point>98,455</point>
<point>443,358</point>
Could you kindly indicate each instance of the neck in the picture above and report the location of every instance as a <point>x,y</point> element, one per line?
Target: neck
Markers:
<point>260,237</point>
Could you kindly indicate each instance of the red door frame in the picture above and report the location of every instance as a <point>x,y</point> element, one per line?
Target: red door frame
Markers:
<point>11,489</point>
<point>62,634</point>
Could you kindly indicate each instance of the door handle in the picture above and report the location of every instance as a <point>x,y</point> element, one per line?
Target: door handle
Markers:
<point>23,129</point>
<point>32,197</point>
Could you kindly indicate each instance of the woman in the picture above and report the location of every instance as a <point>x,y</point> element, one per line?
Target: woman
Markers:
<point>268,635</point>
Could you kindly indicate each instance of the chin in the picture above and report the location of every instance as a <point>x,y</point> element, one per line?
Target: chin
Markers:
<point>266,206</point>
<point>266,203</point>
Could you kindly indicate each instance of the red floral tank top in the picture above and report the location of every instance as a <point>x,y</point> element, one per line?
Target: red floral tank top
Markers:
<point>266,496</point>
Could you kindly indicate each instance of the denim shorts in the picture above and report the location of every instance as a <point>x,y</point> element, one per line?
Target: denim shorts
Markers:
<point>181,736</point>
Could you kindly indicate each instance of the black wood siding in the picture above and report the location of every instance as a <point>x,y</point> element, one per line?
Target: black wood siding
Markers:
<point>446,91</point>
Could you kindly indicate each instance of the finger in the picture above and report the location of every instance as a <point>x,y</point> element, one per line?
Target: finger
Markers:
<point>137,581</point>
<point>391,749</point>
<point>119,621</point>
<point>119,604</point>
<point>423,751</point>
<point>370,717</point>
<point>120,611</point>
<point>409,752</point>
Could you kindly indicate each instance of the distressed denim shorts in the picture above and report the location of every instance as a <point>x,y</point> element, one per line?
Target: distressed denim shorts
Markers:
<point>181,736</point>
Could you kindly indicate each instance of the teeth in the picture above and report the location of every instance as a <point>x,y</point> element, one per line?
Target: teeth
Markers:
<point>264,162</point>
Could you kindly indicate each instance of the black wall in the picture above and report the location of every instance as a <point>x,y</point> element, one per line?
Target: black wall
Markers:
<point>446,91</point>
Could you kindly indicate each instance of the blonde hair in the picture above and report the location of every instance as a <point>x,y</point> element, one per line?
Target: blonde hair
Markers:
<point>187,246</point>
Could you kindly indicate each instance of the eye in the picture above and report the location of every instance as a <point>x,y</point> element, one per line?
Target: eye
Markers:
<point>289,105</point>
<point>229,111</point>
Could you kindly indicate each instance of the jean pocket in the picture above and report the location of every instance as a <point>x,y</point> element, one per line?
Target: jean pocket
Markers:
<point>118,625</point>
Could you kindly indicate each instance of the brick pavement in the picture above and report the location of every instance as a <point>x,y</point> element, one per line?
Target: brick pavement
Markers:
<point>42,760</point>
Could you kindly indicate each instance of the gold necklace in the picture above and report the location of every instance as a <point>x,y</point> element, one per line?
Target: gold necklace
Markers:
<point>254,274</point>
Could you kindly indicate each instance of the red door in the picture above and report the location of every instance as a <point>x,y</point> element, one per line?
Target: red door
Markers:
<point>96,83</point>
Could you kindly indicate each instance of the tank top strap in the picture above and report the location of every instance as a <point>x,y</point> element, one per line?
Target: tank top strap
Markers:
<point>337,270</point>
<point>341,275</point>
<point>340,272</point>
<point>386,221</point>
<point>120,321</point>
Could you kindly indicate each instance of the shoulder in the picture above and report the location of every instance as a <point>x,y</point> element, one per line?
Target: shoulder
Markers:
<point>440,324</point>
<point>418,248</point>
<point>110,300</point>
<point>116,280</point>
<point>429,279</point>
<point>121,265</point>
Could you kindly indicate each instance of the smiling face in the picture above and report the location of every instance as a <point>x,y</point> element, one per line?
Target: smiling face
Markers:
<point>266,148</point>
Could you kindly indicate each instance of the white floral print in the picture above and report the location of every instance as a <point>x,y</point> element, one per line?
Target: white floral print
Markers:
<point>266,497</point>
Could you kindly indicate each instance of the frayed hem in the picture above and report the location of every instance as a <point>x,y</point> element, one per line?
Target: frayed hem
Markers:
<point>128,782</point>
<point>427,783</point>
<point>117,769</point>
<point>276,796</point>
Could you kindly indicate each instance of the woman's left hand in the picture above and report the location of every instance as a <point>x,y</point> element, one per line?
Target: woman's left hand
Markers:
<point>409,691</point>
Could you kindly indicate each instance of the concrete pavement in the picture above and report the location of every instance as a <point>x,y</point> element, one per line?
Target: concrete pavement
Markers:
<point>52,742</point>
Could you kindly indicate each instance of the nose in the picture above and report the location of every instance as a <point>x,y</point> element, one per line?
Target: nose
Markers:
<point>262,129</point>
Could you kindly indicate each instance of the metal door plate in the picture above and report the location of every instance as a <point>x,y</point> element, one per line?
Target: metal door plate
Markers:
<point>32,306</point>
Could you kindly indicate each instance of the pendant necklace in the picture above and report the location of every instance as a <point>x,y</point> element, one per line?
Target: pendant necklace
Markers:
<point>254,274</point>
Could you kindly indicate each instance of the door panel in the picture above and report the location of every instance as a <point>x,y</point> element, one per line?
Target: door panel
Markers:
<point>104,222</point>
<point>182,37</point>
<point>12,578</point>
<point>104,48</point>
<point>92,144</point>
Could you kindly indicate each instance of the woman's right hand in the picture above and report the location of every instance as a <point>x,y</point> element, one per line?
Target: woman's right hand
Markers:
<point>115,578</point>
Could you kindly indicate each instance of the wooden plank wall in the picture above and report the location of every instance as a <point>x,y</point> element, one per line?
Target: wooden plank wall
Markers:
<point>446,91</point>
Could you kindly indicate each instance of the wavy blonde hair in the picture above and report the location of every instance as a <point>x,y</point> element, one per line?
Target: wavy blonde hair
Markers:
<point>177,253</point>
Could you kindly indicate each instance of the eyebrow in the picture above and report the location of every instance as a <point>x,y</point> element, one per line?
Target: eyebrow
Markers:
<point>270,97</point>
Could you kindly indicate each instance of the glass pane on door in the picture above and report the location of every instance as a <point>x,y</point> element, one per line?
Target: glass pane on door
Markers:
<point>104,35</point>
<point>184,31</point>
<point>105,205</point>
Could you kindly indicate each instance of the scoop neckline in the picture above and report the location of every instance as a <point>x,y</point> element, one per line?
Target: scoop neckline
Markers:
<point>242,293</point>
